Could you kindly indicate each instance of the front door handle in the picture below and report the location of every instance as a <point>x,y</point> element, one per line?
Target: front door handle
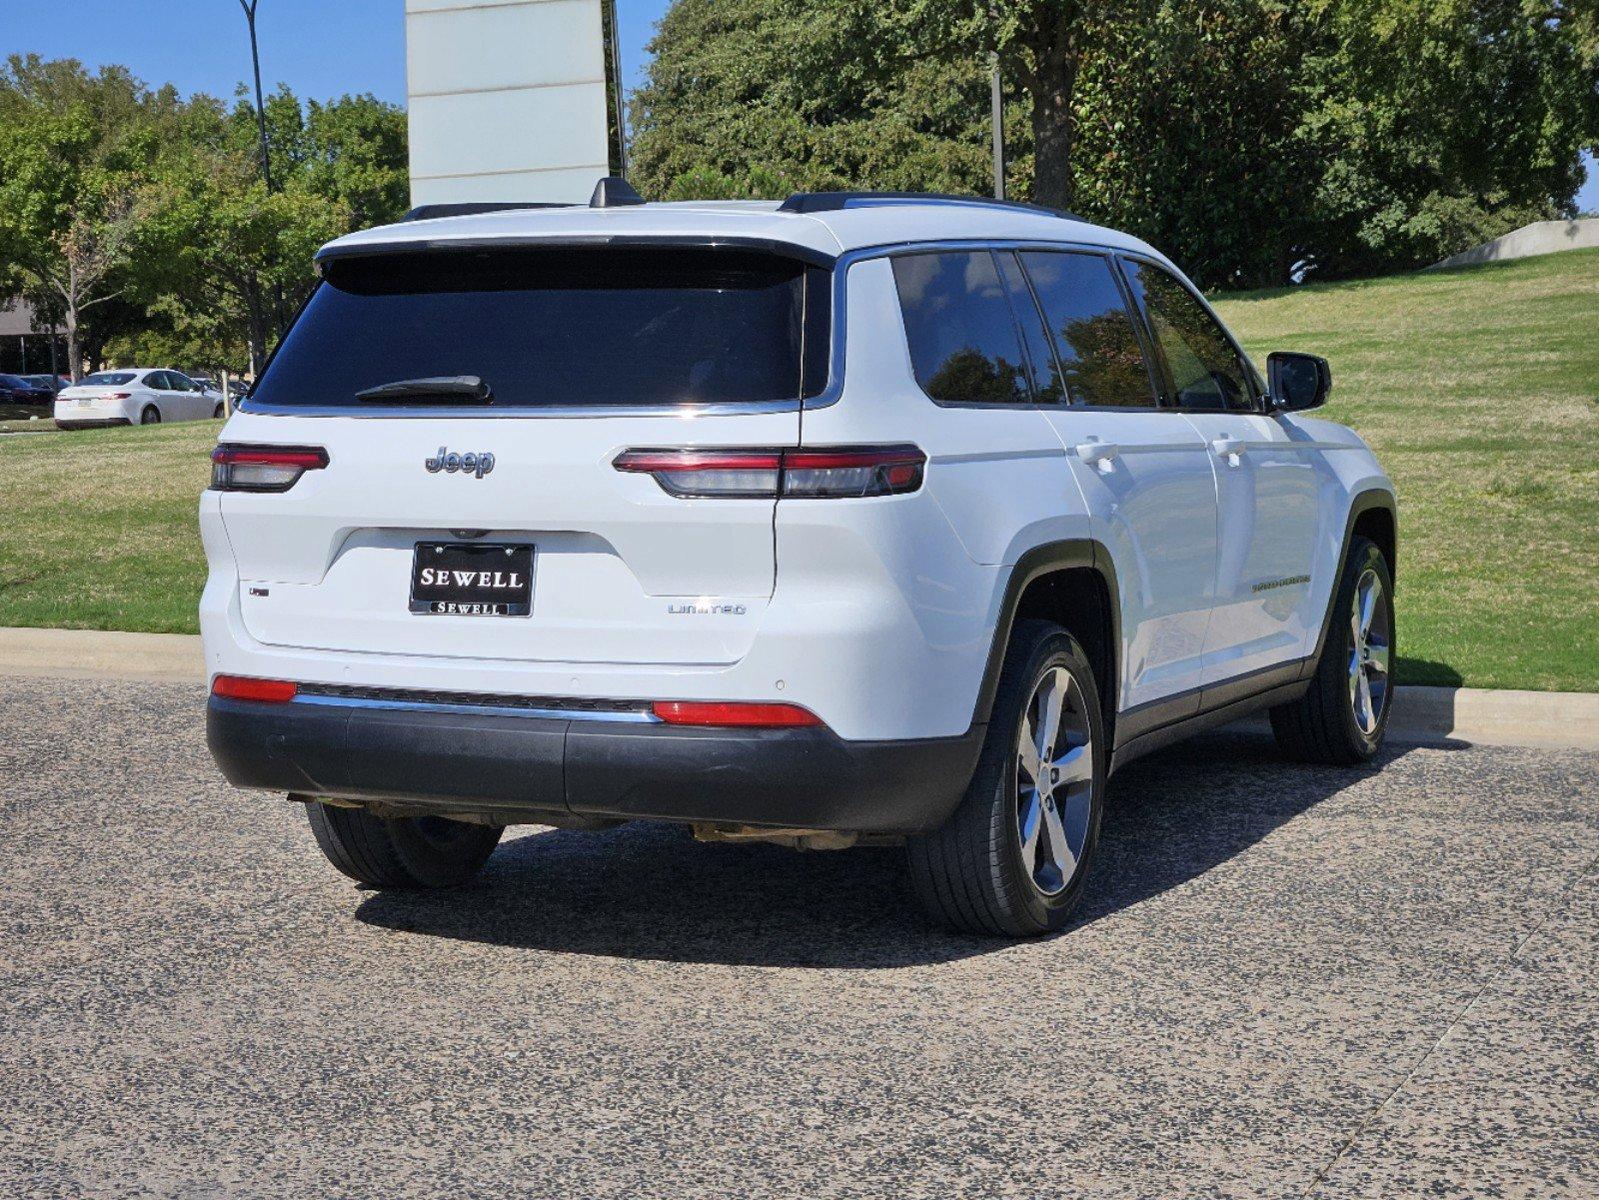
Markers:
<point>1098,454</point>
<point>1229,448</point>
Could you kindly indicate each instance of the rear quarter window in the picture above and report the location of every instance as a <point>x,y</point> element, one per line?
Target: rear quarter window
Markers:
<point>961,330</point>
<point>553,327</point>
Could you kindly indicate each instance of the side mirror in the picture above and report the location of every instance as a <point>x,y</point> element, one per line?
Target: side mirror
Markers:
<point>1297,381</point>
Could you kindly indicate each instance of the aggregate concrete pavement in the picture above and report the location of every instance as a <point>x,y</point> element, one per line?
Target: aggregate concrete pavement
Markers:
<point>1285,982</point>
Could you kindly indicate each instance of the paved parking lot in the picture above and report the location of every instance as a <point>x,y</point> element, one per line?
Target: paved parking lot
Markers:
<point>1285,982</point>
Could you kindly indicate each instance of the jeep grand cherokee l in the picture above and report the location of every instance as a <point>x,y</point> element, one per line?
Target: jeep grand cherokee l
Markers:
<point>850,516</point>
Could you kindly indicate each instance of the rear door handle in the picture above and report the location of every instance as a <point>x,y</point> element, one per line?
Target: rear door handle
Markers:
<point>1229,448</point>
<point>1098,454</point>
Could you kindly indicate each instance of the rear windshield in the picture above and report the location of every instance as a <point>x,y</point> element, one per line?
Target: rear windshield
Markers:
<point>556,327</point>
<point>108,378</point>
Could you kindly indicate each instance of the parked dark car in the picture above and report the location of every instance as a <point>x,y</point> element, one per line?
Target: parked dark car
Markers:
<point>14,389</point>
<point>54,382</point>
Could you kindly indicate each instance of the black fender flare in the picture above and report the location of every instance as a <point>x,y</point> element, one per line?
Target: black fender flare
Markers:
<point>1041,560</point>
<point>1362,502</point>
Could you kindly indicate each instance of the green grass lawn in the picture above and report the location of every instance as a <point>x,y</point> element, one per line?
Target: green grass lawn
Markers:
<point>100,528</point>
<point>1479,388</point>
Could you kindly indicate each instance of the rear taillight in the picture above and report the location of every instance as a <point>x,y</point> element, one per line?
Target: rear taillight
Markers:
<point>117,396</point>
<point>837,473</point>
<point>268,691</point>
<point>734,715</point>
<point>263,468</point>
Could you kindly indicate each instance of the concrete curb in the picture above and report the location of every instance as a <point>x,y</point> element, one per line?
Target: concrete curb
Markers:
<point>94,654</point>
<point>1421,714</point>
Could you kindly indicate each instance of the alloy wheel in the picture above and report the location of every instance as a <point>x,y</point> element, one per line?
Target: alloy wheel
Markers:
<point>1054,781</point>
<point>1370,650</point>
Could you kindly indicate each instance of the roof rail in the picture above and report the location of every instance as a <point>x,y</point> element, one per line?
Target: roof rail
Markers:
<point>817,202</point>
<point>428,212</point>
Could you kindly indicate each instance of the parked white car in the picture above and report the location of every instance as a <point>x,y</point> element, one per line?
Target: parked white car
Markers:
<point>854,517</point>
<point>134,396</point>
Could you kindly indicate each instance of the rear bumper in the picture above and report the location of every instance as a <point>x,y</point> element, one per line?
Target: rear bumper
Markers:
<point>91,422</point>
<point>449,760</point>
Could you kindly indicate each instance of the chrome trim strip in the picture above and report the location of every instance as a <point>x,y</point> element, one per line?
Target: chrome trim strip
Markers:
<point>493,710</point>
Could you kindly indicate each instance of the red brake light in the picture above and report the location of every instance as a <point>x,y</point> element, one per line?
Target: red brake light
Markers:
<point>268,691</point>
<point>850,471</point>
<point>236,468</point>
<point>735,715</point>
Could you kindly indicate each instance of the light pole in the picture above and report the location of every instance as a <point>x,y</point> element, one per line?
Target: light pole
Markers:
<point>997,98</point>
<point>260,107</point>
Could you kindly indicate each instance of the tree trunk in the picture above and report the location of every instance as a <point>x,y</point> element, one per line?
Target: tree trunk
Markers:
<point>255,313</point>
<point>1052,139</point>
<point>74,344</point>
<point>1056,54</point>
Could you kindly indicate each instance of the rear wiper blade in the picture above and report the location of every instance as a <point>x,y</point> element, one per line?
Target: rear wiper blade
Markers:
<point>453,389</point>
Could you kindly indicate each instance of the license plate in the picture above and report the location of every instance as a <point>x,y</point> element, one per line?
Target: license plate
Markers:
<point>85,401</point>
<point>472,579</point>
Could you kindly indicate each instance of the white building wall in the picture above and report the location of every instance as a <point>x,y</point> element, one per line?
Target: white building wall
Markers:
<point>507,99</point>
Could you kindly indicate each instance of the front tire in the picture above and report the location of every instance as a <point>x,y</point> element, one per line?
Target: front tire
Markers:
<point>1341,718</point>
<point>406,852</point>
<point>1012,860</point>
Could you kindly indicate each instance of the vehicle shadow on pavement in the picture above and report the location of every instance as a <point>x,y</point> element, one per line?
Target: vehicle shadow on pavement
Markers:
<point>649,891</point>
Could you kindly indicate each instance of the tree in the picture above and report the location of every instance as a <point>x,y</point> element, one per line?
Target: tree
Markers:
<point>761,98</point>
<point>216,246</point>
<point>69,151</point>
<point>1254,140</point>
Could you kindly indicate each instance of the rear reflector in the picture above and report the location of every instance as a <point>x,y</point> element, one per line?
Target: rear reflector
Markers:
<point>730,715</point>
<point>840,473</point>
<point>269,691</point>
<point>236,468</point>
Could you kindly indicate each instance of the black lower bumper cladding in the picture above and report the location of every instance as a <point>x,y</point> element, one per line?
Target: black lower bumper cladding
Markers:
<point>485,762</point>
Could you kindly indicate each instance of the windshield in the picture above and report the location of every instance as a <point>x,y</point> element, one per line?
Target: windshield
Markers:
<point>551,327</point>
<point>107,379</point>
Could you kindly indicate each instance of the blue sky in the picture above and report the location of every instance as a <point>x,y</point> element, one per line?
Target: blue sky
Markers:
<point>321,48</point>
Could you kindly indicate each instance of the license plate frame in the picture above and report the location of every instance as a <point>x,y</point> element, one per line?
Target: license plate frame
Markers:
<point>490,594</point>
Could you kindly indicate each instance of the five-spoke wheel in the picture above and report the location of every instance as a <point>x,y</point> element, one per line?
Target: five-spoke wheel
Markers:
<point>1371,636</point>
<point>1054,781</point>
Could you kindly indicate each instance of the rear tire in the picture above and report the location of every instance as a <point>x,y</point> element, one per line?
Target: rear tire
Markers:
<point>407,852</point>
<point>150,416</point>
<point>217,413</point>
<point>1012,860</point>
<point>1341,719</point>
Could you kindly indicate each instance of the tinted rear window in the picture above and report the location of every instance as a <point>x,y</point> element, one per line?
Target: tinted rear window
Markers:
<point>963,340</point>
<point>556,327</point>
<point>107,379</point>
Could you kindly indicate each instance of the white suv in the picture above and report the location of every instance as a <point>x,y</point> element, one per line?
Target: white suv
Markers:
<point>855,516</point>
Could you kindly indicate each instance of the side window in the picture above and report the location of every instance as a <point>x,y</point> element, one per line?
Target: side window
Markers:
<point>962,334</point>
<point>1047,385</point>
<point>1101,361</point>
<point>1206,372</point>
<point>157,381</point>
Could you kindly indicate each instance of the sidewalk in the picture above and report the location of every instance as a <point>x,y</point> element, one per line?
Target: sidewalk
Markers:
<point>1421,714</point>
